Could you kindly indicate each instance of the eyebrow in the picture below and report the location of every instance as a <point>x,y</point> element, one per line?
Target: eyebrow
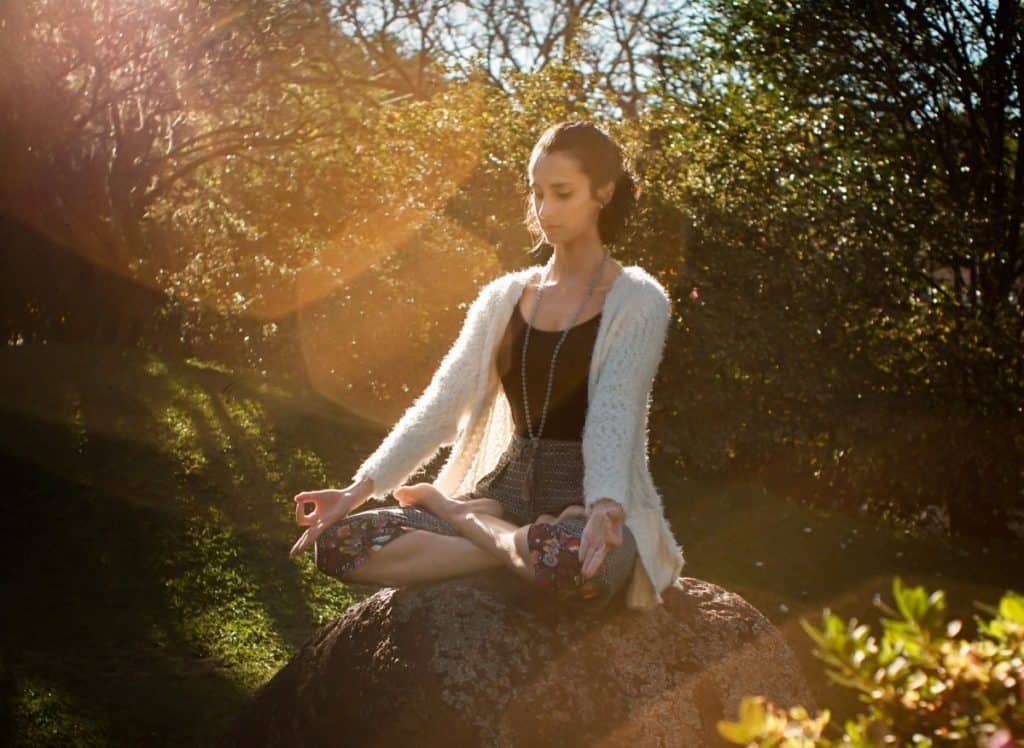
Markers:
<point>554,184</point>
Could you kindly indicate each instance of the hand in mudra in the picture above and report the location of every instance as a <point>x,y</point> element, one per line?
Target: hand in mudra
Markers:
<point>602,533</point>
<point>329,505</point>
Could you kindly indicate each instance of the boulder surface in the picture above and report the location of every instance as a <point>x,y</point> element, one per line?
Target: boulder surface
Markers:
<point>485,660</point>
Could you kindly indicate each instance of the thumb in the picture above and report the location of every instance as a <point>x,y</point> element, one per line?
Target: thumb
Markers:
<point>614,535</point>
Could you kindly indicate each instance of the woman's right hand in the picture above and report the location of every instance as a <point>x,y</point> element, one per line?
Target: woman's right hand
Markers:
<point>329,505</point>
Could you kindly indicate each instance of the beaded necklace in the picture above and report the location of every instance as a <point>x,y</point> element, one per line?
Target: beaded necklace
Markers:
<point>534,440</point>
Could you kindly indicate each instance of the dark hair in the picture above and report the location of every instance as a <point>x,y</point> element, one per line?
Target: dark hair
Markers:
<point>601,159</point>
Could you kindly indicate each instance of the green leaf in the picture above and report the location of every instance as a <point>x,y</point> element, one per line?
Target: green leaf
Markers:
<point>1011,607</point>
<point>910,601</point>
<point>733,732</point>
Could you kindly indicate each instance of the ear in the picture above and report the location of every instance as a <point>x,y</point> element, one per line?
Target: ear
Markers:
<point>604,194</point>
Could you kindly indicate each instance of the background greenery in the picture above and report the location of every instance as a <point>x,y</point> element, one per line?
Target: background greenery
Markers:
<point>239,239</point>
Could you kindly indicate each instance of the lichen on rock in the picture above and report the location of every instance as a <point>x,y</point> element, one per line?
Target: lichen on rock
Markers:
<point>487,660</point>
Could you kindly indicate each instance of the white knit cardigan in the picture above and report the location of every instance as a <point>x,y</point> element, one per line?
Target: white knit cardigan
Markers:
<point>465,406</point>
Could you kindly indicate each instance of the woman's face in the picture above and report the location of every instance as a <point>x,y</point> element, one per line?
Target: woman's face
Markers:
<point>561,199</point>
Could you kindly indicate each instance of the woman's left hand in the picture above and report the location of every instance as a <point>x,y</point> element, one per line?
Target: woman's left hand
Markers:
<point>602,532</point>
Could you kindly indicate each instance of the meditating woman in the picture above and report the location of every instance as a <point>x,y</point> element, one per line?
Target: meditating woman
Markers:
<point>544,398</point>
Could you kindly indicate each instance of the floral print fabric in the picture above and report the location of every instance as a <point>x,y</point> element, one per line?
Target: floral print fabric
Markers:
<point>554,551</point>
<point>553,548</point>
<point>349,542</point>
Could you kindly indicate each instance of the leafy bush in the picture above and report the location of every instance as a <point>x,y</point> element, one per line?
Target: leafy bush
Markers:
<point>923,687</point>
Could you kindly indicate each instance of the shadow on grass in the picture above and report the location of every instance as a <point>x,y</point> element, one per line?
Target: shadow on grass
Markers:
<point>147,580</point>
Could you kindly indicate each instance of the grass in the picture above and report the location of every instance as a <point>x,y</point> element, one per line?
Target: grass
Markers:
<point>148,585</point>
<point>147,580</point>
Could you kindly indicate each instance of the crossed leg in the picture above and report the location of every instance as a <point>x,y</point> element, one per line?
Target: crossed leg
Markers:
<point>480,521</point>
<point>418,556</point>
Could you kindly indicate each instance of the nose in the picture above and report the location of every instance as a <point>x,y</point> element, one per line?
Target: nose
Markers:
<point>545,214</point>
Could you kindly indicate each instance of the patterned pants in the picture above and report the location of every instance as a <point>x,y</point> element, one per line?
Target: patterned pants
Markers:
<point>553,547</point>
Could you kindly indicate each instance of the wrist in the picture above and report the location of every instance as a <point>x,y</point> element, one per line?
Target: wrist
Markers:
<point>607,505</point>
<point>362,488</point>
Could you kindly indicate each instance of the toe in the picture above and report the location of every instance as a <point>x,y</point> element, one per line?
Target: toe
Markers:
<point>576,510</point>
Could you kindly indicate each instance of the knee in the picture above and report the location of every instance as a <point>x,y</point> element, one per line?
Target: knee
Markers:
<point>558,569</point>
<point>324,553</point>
<point>554,553</point>
<point>340,548</point>
<point>327,555</point>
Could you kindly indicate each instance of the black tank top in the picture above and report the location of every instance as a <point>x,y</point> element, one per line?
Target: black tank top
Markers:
<point>567,408</point>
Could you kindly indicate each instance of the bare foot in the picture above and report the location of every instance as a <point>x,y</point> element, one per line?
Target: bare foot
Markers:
<point>482,506</point>
<point>428,497</point>
<point>423,495</point>
<point>574,510</point>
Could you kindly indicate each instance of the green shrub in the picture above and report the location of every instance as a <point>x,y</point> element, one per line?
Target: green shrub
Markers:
<point>922,686</point>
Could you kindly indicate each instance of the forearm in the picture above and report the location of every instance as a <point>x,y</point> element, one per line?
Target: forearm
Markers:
<point>363,489</point>
<point>413,441</point>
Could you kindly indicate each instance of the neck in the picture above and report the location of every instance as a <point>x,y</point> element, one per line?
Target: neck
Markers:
<point>575,263</point>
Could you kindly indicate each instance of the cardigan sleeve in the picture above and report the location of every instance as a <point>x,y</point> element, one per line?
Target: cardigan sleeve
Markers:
<point>618,411</point>
<point>434,418</point>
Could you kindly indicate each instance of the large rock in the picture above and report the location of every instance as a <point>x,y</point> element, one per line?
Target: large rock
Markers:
<point>484,660</point>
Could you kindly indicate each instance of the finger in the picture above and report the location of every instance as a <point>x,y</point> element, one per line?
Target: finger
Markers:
<point>300,545</point>
<point>572,511</point>
<point>309,536</point>
<point>589,541</point>
<point>301,518</point>
<point>583,549</point>
<point>614,535</point>
<point>598,549</point>
<point>587,559</point>
<point>594,562</point>
<point>312,533</point>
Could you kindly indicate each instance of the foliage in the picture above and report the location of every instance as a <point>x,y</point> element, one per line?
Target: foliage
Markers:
<point>834,208</point>
<point>923,686</point>
<point>831,346</point>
